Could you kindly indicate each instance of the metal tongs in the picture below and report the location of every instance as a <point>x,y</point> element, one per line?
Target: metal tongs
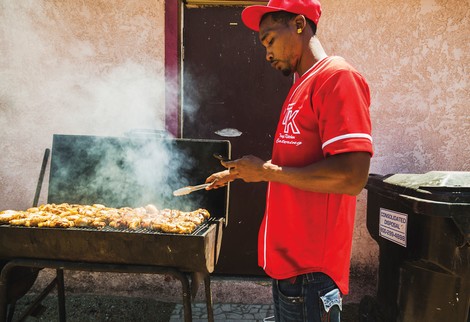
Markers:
<point>187,190</point>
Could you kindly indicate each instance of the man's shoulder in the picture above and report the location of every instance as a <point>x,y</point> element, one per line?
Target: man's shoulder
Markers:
<point>327,67</point>
<point>334,68</point>
<point>337,63</point>
<point>328,72</point>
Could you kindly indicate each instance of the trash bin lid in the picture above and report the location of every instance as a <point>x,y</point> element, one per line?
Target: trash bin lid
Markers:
<point>445,186</point>
<point>435,193</point>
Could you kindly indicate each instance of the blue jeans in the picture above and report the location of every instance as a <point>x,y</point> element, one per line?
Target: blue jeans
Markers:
<point>312,297</point>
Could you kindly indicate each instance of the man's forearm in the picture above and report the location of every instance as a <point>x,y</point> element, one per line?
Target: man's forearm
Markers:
<point>345,173</point>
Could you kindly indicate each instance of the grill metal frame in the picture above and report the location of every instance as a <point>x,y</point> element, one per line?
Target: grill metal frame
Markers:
<point>188,253</point>
<point>184,256</point>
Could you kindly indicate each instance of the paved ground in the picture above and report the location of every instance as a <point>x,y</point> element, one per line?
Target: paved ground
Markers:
<point>93,297</point>
<point>92,308</point>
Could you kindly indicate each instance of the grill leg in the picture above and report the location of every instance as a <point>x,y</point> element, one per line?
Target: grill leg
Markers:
<point>3,302</point>
<point>37,301</point>
<point>186,299</point>
<point>186,293</point>
<point>3,292</point>
<point>11,311</point>
<point>207,286</point>
<point>61,294</point>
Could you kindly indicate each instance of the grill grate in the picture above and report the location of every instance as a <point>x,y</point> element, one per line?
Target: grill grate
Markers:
<point>198,231</point>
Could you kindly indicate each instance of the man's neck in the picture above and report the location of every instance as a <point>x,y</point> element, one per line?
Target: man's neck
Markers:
<point>314,54</point>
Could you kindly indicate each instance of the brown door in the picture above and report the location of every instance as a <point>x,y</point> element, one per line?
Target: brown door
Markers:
<point>231,92</point>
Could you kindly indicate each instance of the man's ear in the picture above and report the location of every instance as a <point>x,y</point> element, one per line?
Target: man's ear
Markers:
<point>300,23</point>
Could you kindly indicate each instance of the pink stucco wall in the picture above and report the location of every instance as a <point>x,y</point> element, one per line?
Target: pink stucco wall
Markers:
<point>416,57</point>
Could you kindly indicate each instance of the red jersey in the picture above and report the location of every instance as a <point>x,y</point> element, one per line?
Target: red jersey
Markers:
<point>326,113</point>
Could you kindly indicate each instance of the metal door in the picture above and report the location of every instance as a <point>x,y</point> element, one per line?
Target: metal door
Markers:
<point>231,92</point>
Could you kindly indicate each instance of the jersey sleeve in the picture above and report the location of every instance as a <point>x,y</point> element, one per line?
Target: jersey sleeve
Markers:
<point>342,107</point>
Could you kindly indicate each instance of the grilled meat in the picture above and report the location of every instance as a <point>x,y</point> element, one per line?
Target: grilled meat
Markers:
<point>99,216</point>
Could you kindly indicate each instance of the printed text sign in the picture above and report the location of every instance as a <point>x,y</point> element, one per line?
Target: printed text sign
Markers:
<point>392,226</point>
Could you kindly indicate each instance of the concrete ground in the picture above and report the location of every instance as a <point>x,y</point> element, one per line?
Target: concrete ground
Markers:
<point>92,296</point>
<point>93,308</point>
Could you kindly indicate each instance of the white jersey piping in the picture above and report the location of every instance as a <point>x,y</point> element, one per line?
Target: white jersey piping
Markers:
<point>347,136</point>
<point>324,60</point>
<point>266,228</point>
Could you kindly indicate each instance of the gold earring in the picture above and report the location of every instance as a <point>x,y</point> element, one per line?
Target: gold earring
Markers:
<point>299,31</point>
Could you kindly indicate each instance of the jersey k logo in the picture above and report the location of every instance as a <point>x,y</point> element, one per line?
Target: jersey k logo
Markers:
<point>289,120</point>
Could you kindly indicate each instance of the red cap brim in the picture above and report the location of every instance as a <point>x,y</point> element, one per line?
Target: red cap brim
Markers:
<point>251,16</point>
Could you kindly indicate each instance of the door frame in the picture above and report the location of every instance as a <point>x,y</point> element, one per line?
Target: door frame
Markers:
<point>173,56</point>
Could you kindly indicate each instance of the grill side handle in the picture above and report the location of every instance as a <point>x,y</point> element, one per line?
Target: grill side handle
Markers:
<point>45,160</point>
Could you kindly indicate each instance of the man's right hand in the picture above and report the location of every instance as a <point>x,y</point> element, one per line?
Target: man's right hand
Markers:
<point>220,179</point>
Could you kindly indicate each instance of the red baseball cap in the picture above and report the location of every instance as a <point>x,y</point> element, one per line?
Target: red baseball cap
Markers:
<point>311,9</point>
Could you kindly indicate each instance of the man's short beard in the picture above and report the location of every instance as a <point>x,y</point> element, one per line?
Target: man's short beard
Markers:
<point>286,72</point>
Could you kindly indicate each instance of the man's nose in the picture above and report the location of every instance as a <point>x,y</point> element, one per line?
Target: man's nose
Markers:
<point>269,56</point>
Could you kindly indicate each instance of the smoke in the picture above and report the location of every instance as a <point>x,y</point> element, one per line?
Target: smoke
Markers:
<point>125,171</point>
<point>70,84</point>
<point>76,68</point>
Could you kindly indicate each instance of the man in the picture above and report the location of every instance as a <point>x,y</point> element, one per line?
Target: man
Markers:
<point>320,162</point>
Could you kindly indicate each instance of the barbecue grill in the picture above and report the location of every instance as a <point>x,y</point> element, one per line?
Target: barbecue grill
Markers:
<point>117,172</point>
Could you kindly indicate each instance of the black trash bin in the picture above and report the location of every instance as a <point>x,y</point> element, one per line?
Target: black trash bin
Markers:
<point>421,223</point>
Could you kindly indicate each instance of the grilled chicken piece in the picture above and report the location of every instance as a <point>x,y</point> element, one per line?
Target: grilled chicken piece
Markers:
<point>8,215</point>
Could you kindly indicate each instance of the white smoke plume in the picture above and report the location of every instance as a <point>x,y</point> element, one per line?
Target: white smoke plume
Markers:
<point>55,80</point>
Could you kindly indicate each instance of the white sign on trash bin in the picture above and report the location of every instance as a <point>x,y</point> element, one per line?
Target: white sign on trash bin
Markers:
<point>392,226</point>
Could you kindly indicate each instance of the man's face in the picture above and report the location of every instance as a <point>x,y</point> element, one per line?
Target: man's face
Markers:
<point>282,48</point>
